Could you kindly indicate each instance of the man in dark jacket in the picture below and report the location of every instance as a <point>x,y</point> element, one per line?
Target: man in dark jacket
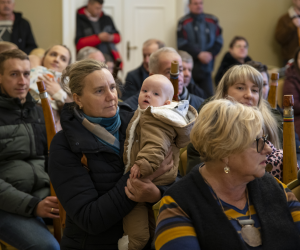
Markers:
<point>24,183</point>
<point>95,29</point>
<point>160,63</point>
<point>237,55</point>
<point>188,81</point>
<point>136,77</point>
<point>200,35</point>
<point>15,29</point>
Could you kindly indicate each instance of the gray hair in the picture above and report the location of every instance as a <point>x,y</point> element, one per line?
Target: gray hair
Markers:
<point>154,58</point>
<point>186,57</point>
<point>149,42</point>
<point>85,52</point>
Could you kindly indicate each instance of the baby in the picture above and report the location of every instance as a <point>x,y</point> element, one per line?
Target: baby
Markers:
<point>157,125</point>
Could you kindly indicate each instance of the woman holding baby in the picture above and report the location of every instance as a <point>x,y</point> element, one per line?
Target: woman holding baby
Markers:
<point>94,194</point>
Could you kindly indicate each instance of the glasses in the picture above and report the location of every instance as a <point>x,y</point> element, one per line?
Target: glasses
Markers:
<point>260,143</point>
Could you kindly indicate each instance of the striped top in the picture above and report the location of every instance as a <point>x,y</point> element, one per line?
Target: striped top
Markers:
<point>175,229</point>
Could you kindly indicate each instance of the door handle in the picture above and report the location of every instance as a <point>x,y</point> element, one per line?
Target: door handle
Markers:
<point>129,48</point>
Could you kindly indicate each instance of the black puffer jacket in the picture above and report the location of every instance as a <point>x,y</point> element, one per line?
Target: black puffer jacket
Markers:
<point>95,200</point>
<point>23,146</point>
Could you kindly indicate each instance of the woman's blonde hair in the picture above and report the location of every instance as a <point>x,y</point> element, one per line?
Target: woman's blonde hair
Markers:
<point>243,73</point>
<point>224,127</point>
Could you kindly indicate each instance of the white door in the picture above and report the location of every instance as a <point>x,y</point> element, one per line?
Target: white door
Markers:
<point>136,20</point>
<point>145,19</point>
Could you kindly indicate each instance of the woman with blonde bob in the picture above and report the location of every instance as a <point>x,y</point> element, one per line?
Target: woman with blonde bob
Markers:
<point>235,203</point>
<point>244,84</point>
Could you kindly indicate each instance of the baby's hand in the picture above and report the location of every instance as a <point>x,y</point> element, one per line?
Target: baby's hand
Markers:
<point>135,171</point>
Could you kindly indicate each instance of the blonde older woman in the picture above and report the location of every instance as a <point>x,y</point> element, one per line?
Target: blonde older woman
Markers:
<point>229,203</point>
<point>244,84</point>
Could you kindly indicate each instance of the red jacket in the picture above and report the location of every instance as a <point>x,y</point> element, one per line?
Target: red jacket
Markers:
<point>87,36</point>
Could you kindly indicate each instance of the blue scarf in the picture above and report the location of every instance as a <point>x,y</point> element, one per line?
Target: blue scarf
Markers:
<point>112,125</point>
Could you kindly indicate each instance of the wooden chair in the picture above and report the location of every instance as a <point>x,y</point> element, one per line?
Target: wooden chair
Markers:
<point>294,186</point>
<point>280,92</point>
<point>58,224</point>
<point>155,209</point>
<point>183,161</point>
<point>289,172</point>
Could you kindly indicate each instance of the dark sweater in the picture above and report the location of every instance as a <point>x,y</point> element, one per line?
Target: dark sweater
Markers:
<point>214,230</point>
<point>22,35</point>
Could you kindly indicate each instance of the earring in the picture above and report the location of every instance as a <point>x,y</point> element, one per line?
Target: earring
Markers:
<point>226,169</point>
<point>80,107</point>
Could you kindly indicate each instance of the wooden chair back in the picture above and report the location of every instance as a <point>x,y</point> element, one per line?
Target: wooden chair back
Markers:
<point>58,224</point>
<point>272,97</point>
<point>294,186</point>
<point>155,209</point>
<point>289,172</point>
<point>183,161</point>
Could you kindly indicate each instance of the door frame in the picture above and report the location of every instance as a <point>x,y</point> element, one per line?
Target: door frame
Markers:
<point>69,8</point>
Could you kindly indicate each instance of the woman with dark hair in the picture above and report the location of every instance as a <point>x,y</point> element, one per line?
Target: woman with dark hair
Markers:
<point>292,87</point>
<point>237,55</point>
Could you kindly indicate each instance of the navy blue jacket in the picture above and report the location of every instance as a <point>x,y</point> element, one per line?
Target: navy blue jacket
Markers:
<point>197,33</point>
<point>95,200</point>
<point>134,81</point>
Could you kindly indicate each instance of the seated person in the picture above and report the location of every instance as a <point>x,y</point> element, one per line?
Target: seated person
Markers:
<point>237,55</point>
<point>24,183</point>
<point>265,91</point>
<point>55,60</point>
<point>235,203</point>
<point>109,62</point>
<point>244,84</point>
<point>263,69</point>
<point>157,125</point>
<point>136,77</point>
<point>95,195</point>
<point>292,87</point>
<point>160,63</point>
<point>36,57</point>
<point>188,81</point>
<point>91,53</point>
<point>7,46</point>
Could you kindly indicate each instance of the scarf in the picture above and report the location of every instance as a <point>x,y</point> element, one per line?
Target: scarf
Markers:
<point>100,126</point>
